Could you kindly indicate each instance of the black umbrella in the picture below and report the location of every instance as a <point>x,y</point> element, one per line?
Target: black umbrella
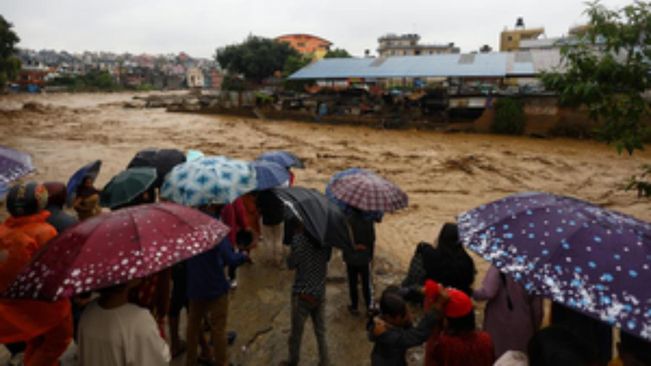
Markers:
<point>322,219</point>
<point>164,160</point>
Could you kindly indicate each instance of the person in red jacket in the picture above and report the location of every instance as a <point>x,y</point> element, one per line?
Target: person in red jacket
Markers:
<point>459,343</point>
<point>46,327</point>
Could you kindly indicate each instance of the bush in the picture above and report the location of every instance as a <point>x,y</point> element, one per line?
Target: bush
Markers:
<point>509,117</point>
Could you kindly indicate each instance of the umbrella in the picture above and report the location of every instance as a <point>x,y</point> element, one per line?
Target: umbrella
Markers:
<point>115,247</point>
<point>193,155</point>
<point>283,158</point>
<point>321,218</point>
<point>13,164</point>
<point>269,174</point>
<point>127,186</point>
<point>370,215</point>
<point>164,160</point>
<point>593,260</point>
<point>208,180</point>
<point>90,170</point>
<point>369,192</point>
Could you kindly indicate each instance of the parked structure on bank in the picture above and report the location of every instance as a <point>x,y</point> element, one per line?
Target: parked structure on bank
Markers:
<point>407,45</point>
<point>307,44</point>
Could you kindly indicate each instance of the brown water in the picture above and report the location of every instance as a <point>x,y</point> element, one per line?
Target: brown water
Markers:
<point>444,174</point>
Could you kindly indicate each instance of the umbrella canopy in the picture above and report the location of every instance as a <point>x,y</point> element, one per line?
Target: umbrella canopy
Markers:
<point>208,180</point>
<point>90,170</point>
<point>282,158</point>
<point>115,247</point>
<point>269,174</point>
<point>368,191</point>
<point>13,164</point>
<point>164,160</point>
<point>583,256</point>
<point>321,218</point>
<point>193,155</point>
<point>127,186</point>
<point>370,215</point>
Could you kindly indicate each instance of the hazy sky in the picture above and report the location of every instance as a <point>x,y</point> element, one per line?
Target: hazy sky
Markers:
<point>199,26</point>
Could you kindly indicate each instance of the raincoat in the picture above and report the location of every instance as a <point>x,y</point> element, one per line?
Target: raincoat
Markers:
<point>45,326</point>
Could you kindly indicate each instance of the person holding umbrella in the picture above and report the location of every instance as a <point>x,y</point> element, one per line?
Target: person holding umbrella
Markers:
<point>366,197</point>
<point>314,226</point>
<point>81,192</point>
<point>109,253</point>
<point>46,327</point>
<point>310,261</point>
<point>209,183</point>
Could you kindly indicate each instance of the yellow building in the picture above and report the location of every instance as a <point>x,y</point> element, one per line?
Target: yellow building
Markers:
<point>510,38</point>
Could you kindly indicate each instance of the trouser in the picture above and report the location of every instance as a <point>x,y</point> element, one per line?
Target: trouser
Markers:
<point>46,349</point>
<point>354,272</point>
<point>217,312</point>
<point>301,309</point>
<point>272,237</point>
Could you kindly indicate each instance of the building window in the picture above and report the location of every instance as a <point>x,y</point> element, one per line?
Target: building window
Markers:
<point>509,38</point>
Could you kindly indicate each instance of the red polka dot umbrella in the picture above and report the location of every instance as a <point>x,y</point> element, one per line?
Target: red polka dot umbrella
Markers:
<point>369,192</point>
<point>113,248</point>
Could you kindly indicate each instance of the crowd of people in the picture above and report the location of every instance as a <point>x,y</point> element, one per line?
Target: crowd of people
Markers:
<point>138,322</point>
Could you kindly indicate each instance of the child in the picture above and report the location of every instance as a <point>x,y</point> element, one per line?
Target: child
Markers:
<point>459,343</point>
<point>393,333</point>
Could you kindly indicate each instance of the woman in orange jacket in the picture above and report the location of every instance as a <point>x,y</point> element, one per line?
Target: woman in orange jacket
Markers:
<point>46,327</point>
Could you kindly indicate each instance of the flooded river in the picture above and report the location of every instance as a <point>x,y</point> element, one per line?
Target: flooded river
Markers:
<point>444,174</point>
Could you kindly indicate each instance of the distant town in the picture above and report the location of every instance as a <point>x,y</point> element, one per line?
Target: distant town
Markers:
<point>61,70</point>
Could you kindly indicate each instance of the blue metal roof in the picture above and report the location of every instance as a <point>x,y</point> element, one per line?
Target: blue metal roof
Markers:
<point>497,64</point>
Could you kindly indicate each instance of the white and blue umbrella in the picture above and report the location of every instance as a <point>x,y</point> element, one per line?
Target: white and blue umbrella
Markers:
<point>208,180</point>
<point>269,175</point>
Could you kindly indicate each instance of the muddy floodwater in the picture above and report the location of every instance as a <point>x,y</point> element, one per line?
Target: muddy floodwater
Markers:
<point>444,174</point>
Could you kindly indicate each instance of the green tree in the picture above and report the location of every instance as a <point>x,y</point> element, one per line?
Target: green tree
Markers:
<point>337,53</point>
<point>607,71</point>
<point>509,117</point>
<point>9,63</point>
<point>256,58</point>
<point>295,63</point>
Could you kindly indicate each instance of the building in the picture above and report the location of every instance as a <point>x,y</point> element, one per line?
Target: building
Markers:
<point>407,45</point>
<point>572,39</point>
<point>510,39</point>
<point>307,44</point>
<point>499,69</point>
<point>195,78</point>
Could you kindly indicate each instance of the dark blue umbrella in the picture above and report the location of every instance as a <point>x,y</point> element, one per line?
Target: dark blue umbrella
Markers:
<point>282,158</point>
<point>269,174</point>
<point>90,170</point>
<point>593,260</point>
<point>13,164</point>
<point>370,215</point>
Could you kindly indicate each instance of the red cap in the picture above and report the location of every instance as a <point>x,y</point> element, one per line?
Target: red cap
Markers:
<point>459,304</point>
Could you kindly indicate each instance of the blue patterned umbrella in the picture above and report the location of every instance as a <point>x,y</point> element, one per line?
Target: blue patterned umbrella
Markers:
<point>282,158</point>
<point>208,180</point>
<point>13,164</point>
<point>269,175</point>
<point>581,255</point>
<point>370,215</point>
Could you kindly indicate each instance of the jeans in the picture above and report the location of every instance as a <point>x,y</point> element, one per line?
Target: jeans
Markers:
<point>301,310</point>
<point>354,272</point>
<point>217,312</point>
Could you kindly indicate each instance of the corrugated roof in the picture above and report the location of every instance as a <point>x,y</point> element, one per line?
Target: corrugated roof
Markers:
<point>497,64</point>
